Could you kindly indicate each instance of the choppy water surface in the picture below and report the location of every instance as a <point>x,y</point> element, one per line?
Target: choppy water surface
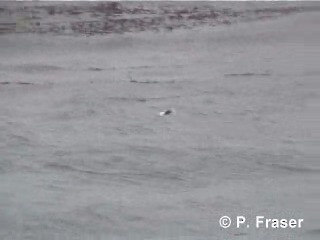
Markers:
<point>85,155</point>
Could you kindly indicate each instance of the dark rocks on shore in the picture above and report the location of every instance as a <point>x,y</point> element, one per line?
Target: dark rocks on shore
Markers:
<point>116,17</point>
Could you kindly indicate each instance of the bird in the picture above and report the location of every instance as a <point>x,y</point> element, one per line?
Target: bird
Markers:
<point>167,112</point>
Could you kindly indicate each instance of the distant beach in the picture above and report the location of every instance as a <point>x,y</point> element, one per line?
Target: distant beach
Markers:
<point>90,18</point>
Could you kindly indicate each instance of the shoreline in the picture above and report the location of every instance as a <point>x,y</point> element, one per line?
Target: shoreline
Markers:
<point>102,18</point>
